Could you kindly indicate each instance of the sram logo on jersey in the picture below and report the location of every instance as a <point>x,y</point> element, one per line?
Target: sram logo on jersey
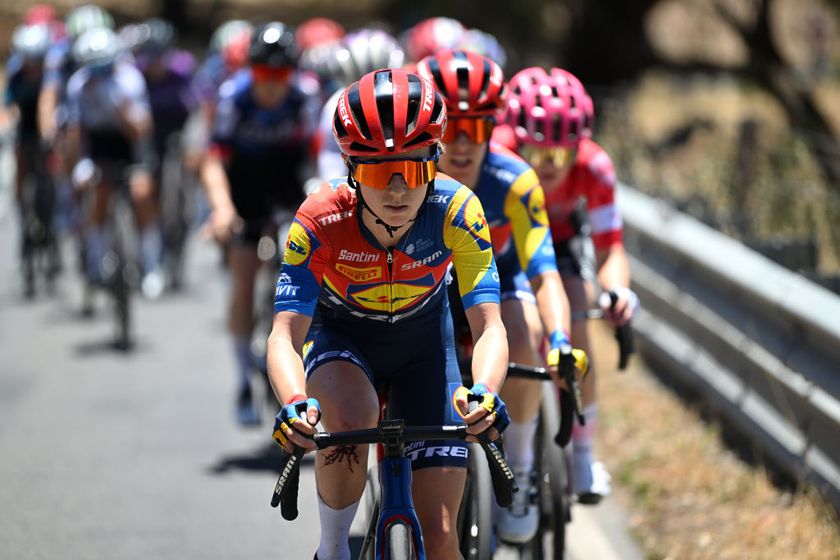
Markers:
<point>357,257</point>
<point>417,264</point>
<point>360,274</point>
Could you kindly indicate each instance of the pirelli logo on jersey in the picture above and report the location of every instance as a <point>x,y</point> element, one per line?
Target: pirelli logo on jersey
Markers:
<point>360,274</point>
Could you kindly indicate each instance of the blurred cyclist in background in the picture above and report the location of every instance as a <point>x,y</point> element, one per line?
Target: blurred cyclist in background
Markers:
<point>262,128</point>
<point>60,64</point>
<point>24,75</point>
<point>109,119</point>
<point>549,121</point>
<point>533,300</point>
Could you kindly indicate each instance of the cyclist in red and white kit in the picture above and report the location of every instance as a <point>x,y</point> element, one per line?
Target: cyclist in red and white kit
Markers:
<point>549,122</point>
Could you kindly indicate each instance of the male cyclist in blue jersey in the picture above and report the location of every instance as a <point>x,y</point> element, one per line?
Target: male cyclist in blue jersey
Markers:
<point>362,307</point>
<point>533,299</point>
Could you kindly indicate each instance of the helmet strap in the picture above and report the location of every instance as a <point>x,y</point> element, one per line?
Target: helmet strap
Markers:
<point>379,221</point>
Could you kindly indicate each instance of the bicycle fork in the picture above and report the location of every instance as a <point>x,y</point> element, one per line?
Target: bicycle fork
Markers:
<point>397,507</point>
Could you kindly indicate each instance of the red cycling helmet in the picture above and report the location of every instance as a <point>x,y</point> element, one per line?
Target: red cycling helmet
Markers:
<point>388,112</point>
<point>431,35</point>
<point>472,85</point>
<point>39,13</point>
<point>318,31</point>
<point>549,108</point>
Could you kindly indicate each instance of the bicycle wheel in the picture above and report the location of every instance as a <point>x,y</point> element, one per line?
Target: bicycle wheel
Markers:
<point>400,543</point>
<point>475,518</point>
<point>555,502</point>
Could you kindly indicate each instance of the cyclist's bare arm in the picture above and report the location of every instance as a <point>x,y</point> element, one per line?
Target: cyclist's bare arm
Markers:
<point>490,356</point>
<point>285,365</point>
<point>552,301</point>
<point>215,181</point>
<point>47,102</point>
<point>614,275</point>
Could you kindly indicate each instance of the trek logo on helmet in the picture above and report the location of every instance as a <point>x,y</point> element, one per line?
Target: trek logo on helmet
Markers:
<point>343,111</point>
<point>429,98</point>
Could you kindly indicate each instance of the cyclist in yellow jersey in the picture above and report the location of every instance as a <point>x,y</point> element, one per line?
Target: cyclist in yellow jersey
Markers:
<point>533,300</point>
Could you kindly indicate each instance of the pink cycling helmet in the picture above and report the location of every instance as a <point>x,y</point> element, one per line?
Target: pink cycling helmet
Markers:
<point>549,108</point>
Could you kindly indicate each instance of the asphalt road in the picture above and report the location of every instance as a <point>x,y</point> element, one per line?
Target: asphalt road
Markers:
<point>129,456</point>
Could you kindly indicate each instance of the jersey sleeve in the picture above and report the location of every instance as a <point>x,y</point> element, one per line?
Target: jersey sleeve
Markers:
<point>53,65</point>
<point>604,217</point>
<point>225,119</point>
<point>301,274</point>
<point>467,235</point>
<point>525,208</point>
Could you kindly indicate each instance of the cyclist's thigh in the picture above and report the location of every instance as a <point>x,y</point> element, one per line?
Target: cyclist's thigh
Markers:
<point>437,493</point>
<point>338,375</point>
<point>522,323</point>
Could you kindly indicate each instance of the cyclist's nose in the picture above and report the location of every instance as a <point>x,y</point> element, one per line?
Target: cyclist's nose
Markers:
<point>397,184</point>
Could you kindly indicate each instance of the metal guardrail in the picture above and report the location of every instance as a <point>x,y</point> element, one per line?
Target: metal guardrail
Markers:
<point>760,343</point>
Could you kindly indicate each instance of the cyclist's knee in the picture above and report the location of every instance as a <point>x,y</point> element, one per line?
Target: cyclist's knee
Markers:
<point>351,404</point>
<point>440,539</point>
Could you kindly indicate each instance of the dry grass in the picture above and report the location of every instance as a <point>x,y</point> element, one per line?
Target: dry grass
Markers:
<point>689,496</point>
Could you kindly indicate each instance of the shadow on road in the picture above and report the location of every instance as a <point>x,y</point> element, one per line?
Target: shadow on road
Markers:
<point>266,458</point>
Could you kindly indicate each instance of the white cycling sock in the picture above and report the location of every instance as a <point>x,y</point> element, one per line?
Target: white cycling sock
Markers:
<point>519,445</point>
<point>244,359</point>
<point>151,247</point>
<point>583,436</point>
<point>335,530</point>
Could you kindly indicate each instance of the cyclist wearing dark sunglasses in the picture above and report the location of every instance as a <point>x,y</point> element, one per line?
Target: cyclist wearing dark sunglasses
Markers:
<point>263,124</point>
<point>550,119</point>
<point>533,299</point>
<point>362,307</point>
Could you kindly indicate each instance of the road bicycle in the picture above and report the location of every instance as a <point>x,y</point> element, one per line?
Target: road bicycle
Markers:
<point>394,531</point>
<point>39,244</point>
<point>118,271</point>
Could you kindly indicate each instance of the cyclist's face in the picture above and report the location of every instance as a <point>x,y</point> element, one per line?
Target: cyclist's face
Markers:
<point>397,204</point>
<point>462,160</point>
<point>270,93</point>
<point>552,176</point>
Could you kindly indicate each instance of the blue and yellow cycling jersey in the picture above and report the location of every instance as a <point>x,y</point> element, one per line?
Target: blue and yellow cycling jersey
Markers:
<point>334,262</point>
<point>514,203</point>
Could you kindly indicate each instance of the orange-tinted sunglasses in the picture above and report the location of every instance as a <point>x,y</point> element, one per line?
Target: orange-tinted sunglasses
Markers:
<point>539,155</point>
<point>477,129</point>
<point>265,73</point>
<point>377,174</point>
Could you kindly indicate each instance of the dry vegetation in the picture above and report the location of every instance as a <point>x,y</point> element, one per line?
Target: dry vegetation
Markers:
<point>689,496</point>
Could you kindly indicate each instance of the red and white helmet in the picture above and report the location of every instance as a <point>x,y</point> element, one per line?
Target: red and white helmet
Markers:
<point>549,108</point>
<point>388,112</point>
<point>472,85</point>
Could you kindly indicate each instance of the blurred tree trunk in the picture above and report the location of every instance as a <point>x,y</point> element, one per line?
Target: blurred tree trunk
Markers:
<point>176,12</point>
<point>767,66</point>
<point>608,40</point>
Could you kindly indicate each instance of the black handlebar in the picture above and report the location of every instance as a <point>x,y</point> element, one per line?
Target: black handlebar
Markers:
<point>388,432</point>
<point>623,334</point>
<point>569,403</point>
